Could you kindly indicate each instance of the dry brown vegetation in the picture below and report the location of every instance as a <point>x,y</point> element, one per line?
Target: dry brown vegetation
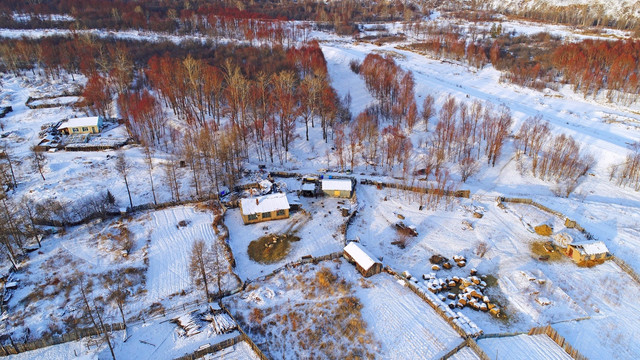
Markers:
<point>271,248</point>
<point>546,250</point>
<point>325,322</point>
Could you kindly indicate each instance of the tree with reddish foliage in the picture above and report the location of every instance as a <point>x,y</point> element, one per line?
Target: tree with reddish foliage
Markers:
<point>97,95</point>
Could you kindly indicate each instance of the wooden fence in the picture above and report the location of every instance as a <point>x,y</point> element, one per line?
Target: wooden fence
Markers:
<point>558,339</point>
<point>16,348</point>
<point>294,264</point>
<point>213,348</point>
<point>626,268</point>
<point>433,305</point>
<point>364,181</point>
<point>30,100</point>
<point>418,189</point>
<point>246,337</point>
<point>571,224</point>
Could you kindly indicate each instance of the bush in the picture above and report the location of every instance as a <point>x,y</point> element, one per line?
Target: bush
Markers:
<point>354,65</point>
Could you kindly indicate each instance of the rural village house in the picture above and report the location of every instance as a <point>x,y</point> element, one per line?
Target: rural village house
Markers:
<point>588,250</point>
<point>264,208</point>
<point>85,125</point>
<point>343,188</point>
<point>365,262</point>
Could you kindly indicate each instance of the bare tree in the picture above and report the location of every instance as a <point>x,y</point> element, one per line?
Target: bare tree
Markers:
<point>118,293</point>
<point>468,166</point>
<point>8,158</point>
<point>29,208</point>
<point>171,177</point>
<point>93,312</point>
<point>122,167</point>
<point>198,266</point>
<point>427,110</point>
<point>148,159</point>
<point>37,160</point>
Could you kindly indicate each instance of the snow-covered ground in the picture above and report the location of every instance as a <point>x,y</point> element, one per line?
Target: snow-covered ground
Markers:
<point>593,308</point>
<point>318,231</point>
<point>159,259</point>
<point>523,347</point>
<point>407,327</point>
<point>239,351</point>
<point>402,324</point>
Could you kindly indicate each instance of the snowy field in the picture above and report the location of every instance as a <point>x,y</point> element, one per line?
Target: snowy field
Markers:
<point>522,279</point>
<point>523,347</point>
<point>390,310</point>
<point>595,309</point>
<point>395,312</point>
<point>157,266</point>
<point>239,351</point>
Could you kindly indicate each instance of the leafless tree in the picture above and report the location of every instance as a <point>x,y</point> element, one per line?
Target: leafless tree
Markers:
<point>427,110</point>
<point>9,161</point>
<point>93,313</point>
<point>171,177</point>
<point>29,208</point>
<point>468,166</point>
<point>123,167</point>
<point>198,266</point>
<point>148,159</point>
<point>37,160</point>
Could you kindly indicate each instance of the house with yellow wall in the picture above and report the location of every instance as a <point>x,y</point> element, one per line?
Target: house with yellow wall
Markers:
<point>264,208</point>
<point>342,188</point>
<point>587,250</point>
<point>85,125</point>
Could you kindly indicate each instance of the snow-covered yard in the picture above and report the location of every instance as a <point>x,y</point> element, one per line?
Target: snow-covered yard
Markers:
<point>523,347</point>
<point>318,228</point>
<point>399,324</point>
<point>156,268</point>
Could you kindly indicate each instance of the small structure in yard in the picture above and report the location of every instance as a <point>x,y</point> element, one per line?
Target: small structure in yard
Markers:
<point>343,188</point>
<point>308,189</point>
<point>264,208</point>
<point>85,125</point>
<point>587,251</point>
<point>365,262</point>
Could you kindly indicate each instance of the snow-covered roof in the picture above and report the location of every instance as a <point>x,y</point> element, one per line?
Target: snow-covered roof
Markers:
<point>591,247</point>
<point>265,203</point>
<point>81,122</point>
<point>336,184</point>
<point>308,187</point>
<point>359,255</point>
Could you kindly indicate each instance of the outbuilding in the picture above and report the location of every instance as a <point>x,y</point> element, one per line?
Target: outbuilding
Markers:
<point>587,250</point>
<point>264,208</point>
<point>343,188</point>
<point>365,263</point>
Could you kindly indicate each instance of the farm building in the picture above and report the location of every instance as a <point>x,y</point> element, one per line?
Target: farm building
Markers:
<point>338,187</point>
<point>365,263</point>
<point>588,250</point>
<point>85,125</point>
<point>264,208</point>
<point>308,189</point>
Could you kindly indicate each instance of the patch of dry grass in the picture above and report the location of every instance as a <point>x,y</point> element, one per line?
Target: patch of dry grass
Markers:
<point>271,248</point>
<point>326,322</point>
<point>541,251</point>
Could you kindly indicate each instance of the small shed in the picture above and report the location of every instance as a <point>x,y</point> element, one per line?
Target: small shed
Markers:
<point>587,250</point>
<point>85,125</point>
<point>342,188</point>
<point>365,263</point>
<point>308,189</point>
<point>264,208</point>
